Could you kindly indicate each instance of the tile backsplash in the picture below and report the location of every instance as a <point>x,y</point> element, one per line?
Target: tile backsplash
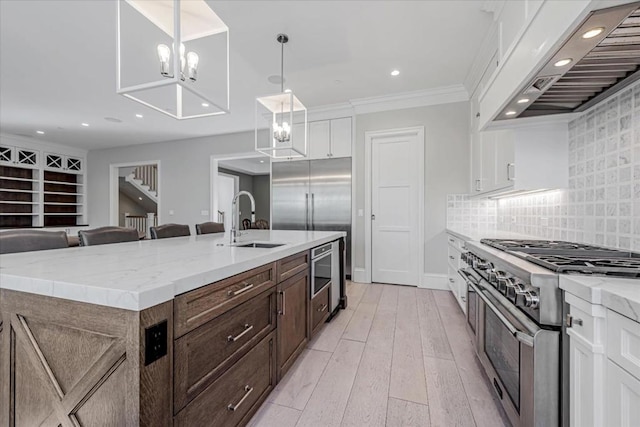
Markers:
<point>463,211</point>
<point>602,204</point>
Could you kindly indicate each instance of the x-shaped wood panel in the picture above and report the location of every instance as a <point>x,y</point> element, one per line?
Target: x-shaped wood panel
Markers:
<point>66,405</point>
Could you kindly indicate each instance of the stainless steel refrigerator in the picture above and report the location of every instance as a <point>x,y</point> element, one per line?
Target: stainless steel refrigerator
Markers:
<point>313,195</point>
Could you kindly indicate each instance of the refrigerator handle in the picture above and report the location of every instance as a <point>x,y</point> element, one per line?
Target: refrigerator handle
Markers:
<point>313,209</point>
<point>306,211</point>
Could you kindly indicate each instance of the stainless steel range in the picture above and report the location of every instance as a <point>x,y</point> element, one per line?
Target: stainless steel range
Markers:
<point>515,312</point>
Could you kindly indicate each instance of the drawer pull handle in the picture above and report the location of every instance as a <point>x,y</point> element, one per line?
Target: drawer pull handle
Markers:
<point>452,280</point>
<point>247,328</point>
<point>451,257</point>
<point>571,321</point>
<point>233,407</point>
<point>323,308</point>
<point>282,312</point>
<point>452,241</point>
<point>240,291</point>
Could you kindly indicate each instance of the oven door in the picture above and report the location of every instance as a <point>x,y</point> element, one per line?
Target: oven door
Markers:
<point>521,360</point>
<point>472,305</point>
<point>321,270</point>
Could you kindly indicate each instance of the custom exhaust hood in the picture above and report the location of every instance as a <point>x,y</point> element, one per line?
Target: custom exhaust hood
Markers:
<point>601,57</point>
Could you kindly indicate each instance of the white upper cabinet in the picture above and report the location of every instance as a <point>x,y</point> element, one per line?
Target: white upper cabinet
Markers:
<point>341,137</point>
<point>319,139</point>
<point>17,156</point>
<point>63,163</point>
<point>520,159</point>
<point>326,139</point>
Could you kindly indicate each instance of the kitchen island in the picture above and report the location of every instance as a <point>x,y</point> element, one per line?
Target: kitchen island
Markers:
<point>184,331</point>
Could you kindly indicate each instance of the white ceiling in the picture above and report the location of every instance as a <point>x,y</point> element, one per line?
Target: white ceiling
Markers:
<point>58,69</point>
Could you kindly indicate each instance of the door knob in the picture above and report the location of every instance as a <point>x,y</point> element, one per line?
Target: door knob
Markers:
<point>373,217</point>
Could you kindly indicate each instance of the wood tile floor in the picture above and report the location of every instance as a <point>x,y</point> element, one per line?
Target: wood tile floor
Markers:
<point>398,356</point>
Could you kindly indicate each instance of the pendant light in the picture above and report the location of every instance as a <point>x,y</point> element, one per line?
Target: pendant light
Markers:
<point>173,56</point>
<point>284,116</point>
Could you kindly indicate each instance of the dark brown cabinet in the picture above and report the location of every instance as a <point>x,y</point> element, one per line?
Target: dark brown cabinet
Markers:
<point>234,397</point>
<point>319,310</point>
<point>293,320</point>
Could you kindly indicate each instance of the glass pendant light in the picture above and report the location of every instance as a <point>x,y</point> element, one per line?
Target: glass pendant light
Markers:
<point>281,120</point>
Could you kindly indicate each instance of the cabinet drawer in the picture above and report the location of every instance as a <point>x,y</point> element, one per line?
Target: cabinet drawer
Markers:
<point>582,324</point>
<point>453,257</point>
<point>234,397</point>
<point>290,266</point>
<point>204,353</point>
<point>456,242</point>
<point>197,307</point>
<point>623,342</point>
<point>319,309</point>
<point>587,323</point>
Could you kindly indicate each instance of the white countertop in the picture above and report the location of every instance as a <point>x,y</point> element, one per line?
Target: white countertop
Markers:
<point>139,275</point>
<point>617,294</point>
<point>474,234</point>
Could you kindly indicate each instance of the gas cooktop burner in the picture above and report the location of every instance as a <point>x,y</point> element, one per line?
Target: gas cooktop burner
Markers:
<point>535,245</point>
<point>623,267</point>
<point>572,258</point>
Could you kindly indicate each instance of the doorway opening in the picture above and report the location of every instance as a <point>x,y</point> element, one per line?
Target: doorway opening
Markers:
<point>237,172</point>
<point>135,196</point>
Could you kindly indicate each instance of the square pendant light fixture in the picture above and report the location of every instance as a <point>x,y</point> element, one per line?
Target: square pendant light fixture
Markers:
<point>173,56</point>
<point>284,117</point>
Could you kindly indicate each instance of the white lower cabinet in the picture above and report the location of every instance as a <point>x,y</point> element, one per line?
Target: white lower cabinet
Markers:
<point>623,397</point>
<point>603,362</point>
<point>456,283</point>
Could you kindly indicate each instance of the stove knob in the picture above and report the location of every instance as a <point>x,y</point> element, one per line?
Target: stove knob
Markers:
<point>514,286</point>
<point>503,283</point>
<point>531,299</point>
<point>463,257</point>
<point>491,275</point>
<point>484,265</point>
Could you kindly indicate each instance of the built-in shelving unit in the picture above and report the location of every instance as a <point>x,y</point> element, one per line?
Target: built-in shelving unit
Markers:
<point>39,188</point>
<point>19,196</point>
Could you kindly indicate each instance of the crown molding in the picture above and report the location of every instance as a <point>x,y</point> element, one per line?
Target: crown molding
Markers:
<point>331,111</point>
<point>422,98</point>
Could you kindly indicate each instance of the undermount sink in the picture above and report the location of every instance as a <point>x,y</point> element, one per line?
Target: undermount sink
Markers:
<point>260,245</point>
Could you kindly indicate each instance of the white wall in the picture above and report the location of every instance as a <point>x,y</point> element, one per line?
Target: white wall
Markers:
<point>446,170</point>
<point>184,177</point>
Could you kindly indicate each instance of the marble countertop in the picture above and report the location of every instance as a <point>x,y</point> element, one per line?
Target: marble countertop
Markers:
<point>139,275</point>
<point>617,294</point>
<point>475,234</point>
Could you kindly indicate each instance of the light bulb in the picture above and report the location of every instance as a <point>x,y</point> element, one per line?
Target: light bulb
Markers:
<point>285,127</point>
<point>192,63</point>
<point>164,54</point>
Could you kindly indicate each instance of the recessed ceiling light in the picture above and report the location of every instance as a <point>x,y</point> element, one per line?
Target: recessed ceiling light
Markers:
<point>563,62</point>
<point>261,161</point>
<point>287,91</point>
<point>139,116</point>
<point>510,113</point>
<point>204,104</point>
<point>593,32</point>
<point>39,132</point>
<point>523,100</point>
<point>395,73</point>
<point>85,124</point>
<point>139,198</point>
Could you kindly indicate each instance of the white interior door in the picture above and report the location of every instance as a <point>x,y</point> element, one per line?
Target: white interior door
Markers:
<point>227,188</point>
<point>395,208</point>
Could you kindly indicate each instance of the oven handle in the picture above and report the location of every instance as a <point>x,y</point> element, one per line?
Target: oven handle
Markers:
<point>520,336</point>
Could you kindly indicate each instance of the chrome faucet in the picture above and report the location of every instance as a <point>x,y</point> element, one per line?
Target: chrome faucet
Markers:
<point>235,213</point>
